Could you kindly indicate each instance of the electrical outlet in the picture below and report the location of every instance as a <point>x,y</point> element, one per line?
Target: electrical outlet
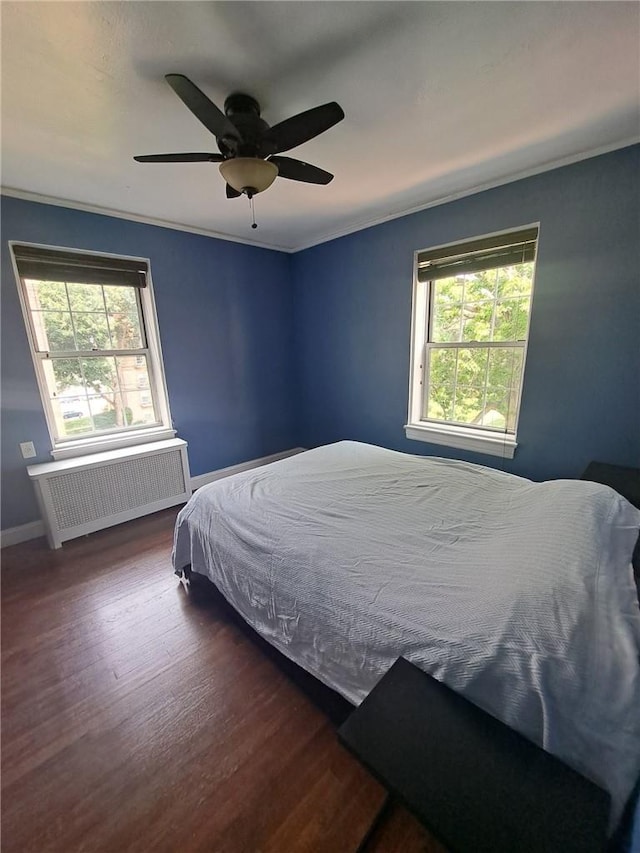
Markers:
<point>28,449</point>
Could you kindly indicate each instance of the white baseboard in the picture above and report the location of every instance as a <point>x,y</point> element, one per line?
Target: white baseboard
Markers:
<point>35,529</point>
<point>211,476</point>
<point>22,533</point>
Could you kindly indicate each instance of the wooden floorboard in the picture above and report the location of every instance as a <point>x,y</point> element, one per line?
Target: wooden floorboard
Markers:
<point>139,717</point>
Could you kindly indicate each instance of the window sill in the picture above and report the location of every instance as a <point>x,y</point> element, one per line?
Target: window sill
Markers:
<point>493,444</point>
<point>83,447</point>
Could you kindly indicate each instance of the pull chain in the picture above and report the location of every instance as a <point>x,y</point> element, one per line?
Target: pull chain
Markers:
<point>253,211</point>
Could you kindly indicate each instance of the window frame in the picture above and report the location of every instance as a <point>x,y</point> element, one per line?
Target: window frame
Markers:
<point>129,436</point>
<point>474,437</point>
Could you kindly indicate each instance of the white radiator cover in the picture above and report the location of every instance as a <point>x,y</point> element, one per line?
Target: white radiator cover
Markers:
<point>88,493</point>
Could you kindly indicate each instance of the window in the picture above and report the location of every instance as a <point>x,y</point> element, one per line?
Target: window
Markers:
<point>471,308</point>
<point>92,329</point>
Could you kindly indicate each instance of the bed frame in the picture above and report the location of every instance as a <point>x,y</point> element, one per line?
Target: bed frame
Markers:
<point>626,481</point>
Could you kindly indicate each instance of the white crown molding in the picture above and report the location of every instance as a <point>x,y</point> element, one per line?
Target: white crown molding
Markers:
<point>27,195</point>
<point>489,185</point>
<point>38,198</point>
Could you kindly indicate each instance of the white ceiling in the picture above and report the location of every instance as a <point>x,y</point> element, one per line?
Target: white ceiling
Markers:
<point>440,98</point>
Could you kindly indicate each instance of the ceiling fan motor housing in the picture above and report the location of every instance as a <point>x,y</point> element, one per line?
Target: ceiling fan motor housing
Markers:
<point>244,113</point>
<point>241,103</point>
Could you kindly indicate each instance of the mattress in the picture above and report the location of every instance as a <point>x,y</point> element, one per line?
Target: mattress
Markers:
<point>519,595</point>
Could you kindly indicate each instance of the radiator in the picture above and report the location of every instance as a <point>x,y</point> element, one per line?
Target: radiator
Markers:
<point>88,493</point>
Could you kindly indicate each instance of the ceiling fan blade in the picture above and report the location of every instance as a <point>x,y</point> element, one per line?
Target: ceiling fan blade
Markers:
<point>179,158</point>
<point>298,129</point>
<point>202,108</point>
<point>296,170</point>
<point>231,193</point>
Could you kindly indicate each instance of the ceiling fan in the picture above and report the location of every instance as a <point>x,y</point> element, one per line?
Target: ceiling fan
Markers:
<point>250,150</point>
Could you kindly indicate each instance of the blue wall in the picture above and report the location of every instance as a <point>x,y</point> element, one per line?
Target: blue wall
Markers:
<point>265,351</point>
<point>581,396</point>
<point>225,317</point>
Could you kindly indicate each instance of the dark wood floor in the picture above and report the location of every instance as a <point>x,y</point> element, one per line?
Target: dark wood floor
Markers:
<point>137,717</point>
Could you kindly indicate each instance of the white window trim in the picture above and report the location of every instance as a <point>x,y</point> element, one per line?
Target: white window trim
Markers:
<point>83,447</point>
<point>68,449</point>
<point>476,439</point>
<point>493,444</point>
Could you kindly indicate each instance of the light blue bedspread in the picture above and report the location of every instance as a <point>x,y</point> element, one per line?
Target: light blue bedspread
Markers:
<point>519,595</point>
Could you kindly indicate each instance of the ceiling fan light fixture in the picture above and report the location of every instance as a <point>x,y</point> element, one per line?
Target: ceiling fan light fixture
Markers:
<point>249,174</point>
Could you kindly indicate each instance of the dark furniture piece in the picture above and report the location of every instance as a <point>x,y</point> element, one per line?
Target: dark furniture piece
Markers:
<point>479,786</point>
<point>626,481</point>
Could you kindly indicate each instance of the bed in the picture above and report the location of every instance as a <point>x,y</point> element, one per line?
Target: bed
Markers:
<point>517,594</point>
